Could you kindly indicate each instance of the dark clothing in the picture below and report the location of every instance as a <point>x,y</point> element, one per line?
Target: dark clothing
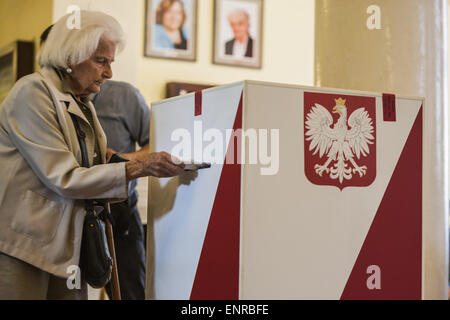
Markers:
<point>229,47</point>
<point>87,113</point>
<point>124,115</point>
<point>183,44</point>
<point>125,118</point>
<point>130,253</point>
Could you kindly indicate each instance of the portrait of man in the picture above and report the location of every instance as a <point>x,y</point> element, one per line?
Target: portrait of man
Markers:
<point>242,43</point>
<point>238,32</point>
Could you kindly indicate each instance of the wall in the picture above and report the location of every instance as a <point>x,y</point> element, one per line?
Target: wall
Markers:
<point>24,20</point>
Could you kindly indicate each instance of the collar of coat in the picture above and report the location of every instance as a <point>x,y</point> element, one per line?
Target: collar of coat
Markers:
<point>63,93</point>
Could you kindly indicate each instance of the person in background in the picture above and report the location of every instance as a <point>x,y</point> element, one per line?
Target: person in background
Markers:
<point>169,31</point>
<point>242,44</point>
<point>43,185</point>
<point>125,118</point>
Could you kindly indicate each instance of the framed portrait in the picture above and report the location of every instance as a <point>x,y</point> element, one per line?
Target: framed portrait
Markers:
<point>170,29</point>
<point>238,26</point>
<point>174,89</point>
<point>16,61</point>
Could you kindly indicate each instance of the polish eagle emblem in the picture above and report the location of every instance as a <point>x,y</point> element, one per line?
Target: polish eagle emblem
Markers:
<point>342,143</point>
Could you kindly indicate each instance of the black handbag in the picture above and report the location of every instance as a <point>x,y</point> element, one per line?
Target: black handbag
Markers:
<point>96,263</point>
<point>95,260</point>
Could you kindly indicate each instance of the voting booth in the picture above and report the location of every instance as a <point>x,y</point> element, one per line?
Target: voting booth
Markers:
<point>312,193</point>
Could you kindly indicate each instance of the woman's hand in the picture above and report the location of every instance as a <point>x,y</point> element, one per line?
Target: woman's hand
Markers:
<point>133,155</point>
<point>109,154</point>
<point>157,164</point>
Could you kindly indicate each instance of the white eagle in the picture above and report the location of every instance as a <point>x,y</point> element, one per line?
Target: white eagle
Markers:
<point>339,143</point>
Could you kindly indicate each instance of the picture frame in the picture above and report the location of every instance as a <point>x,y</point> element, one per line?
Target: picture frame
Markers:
<point>238,33</point>
<point>16,61</point>
<point>171,29</point>
<point>174,89</point>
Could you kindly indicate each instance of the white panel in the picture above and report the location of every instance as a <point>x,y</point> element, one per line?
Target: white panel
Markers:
<point>181,212</point>
<point>300,240</point>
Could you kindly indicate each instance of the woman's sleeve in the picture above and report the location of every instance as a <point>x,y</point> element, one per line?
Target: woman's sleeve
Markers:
<point>34,129</point>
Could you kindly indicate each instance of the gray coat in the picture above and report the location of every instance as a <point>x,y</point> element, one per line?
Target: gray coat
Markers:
<point>41,181</point>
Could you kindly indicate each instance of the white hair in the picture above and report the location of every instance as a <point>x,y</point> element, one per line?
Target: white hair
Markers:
<point>237,12</point>
<point>66,46</point>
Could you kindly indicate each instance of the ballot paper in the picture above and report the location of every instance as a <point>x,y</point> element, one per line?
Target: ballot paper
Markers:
<point>193,166</point>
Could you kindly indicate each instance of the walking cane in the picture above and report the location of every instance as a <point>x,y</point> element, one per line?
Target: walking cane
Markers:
<point>115,286</point>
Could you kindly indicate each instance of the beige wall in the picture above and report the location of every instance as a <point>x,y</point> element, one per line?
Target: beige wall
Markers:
<point>406,56</point>
<point>24,20</point>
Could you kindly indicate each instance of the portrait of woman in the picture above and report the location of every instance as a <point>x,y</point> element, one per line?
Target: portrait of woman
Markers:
<point>170,29</point>
<point>170,19</point>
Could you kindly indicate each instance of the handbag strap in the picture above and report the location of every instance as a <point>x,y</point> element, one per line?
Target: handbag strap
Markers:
<point>81,139</point>
<point>89,204</point>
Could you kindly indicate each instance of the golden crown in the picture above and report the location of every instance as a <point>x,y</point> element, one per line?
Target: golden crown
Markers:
<point>340,102</point>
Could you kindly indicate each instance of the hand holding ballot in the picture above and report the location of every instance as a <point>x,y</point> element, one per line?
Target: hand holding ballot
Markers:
<point>157,164</point>
<point>193,166</point>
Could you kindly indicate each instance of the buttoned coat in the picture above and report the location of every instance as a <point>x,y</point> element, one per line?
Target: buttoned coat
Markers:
<point>42,185</point>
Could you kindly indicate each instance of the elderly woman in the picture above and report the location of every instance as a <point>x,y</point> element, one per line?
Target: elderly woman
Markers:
<point>169,32</point>
<point>43,186</point>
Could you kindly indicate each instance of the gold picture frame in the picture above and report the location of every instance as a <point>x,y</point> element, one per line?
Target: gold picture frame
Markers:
<point>238,33</point>
<point>171,29</point>
<point>16,61</point>
<point>174,89</point>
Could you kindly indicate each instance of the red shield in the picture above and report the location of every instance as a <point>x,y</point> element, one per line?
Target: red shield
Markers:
<point>340,139</point>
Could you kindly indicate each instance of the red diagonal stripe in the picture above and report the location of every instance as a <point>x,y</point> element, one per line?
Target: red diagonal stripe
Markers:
<point>217,276</point>
<point>394,240</point>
